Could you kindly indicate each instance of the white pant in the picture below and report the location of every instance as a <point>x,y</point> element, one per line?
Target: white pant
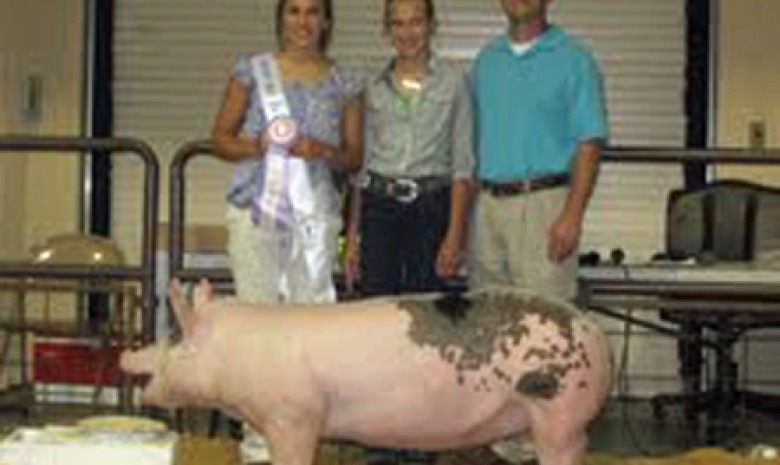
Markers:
<point>293,265</point>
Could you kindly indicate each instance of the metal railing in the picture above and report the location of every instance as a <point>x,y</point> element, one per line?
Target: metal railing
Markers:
<point>177,216</point>
<point>145,272</point>
<point>719,156</point>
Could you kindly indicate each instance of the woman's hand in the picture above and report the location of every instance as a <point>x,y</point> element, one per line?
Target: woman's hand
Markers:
<point>351,262</point>
<point>261,143</point>
<point>449,257</point>
<point>310,148</point>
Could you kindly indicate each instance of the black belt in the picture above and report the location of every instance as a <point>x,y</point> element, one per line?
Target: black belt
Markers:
<point>525,186</point>
<point>404,190</point>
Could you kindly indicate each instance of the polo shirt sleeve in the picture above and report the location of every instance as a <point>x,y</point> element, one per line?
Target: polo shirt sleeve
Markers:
<point>473,88</point>
<point>588,118</point>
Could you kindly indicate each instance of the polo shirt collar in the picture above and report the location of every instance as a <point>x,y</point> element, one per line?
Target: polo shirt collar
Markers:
<point>548,40</point>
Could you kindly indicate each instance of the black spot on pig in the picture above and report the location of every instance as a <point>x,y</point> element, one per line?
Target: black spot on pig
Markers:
<point>504,348</point>
<point>558,370</point>
<point>476,330</point>
<point>501,375</point>
<point>454,306</point>
<point>539,385</point>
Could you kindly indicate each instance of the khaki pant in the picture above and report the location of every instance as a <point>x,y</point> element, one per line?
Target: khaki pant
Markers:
<point>509,244</point>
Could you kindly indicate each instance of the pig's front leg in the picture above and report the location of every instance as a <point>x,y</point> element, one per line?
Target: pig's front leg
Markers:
<point>292,434</point>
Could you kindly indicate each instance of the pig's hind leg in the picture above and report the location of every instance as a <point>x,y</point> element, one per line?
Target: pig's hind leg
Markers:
<point>558,440</point>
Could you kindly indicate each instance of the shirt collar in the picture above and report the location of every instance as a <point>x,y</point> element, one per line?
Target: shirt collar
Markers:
<point>547,40</point>
<point>386,74</point>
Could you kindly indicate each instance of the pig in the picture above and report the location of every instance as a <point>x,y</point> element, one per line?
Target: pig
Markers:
<point>426,371</point>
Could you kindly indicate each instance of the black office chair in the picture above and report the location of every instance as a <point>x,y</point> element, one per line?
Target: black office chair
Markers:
<point>726,220</point>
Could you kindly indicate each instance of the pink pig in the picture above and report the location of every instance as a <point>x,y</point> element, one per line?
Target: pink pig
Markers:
<point>426,372</point>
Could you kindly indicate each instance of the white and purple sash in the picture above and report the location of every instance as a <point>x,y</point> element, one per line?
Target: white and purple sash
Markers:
<point>274,203</point>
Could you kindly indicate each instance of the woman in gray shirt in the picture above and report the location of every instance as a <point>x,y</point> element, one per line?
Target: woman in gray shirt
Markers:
<point>418,164</point>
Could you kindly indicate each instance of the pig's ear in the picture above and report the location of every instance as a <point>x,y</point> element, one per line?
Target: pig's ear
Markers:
<point>202,296</point>
<point>184,316</point>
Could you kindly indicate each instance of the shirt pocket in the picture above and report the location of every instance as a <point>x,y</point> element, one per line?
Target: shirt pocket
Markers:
<point>439,103</point>
<point>436,114</point>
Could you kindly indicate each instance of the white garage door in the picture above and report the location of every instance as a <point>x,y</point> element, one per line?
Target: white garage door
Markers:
<point>172,58</point>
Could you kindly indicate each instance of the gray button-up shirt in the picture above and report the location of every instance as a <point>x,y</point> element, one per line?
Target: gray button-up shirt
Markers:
<point>430,136</point>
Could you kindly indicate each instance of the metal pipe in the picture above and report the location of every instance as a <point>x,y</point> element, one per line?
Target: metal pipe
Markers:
<point>146,272</point>
<point>177,216</point>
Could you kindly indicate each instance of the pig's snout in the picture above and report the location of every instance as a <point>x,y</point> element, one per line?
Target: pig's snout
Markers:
<point>128,362</point>
<point>138,374</point>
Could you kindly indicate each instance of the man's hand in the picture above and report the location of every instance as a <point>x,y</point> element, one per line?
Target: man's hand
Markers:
<point>564,235</point>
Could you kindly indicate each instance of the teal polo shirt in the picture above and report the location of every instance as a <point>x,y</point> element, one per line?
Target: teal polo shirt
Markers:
<point>533,109</point>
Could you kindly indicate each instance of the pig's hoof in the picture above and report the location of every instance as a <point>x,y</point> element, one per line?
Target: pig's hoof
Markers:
<point>518,450</point>
<point>472,456</point>
<point>254,449</point>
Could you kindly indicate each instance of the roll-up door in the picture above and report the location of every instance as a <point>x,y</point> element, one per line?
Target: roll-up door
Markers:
<point>173,56</point>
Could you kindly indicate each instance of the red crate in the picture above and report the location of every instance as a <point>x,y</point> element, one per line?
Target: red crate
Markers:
<point>75,362</point>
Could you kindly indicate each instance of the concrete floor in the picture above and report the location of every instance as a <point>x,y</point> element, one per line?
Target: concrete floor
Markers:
<point>625,429</point>
<point>630,428</point>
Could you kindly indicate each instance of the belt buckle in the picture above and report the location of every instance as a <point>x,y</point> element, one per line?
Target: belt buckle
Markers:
<point>408,192</point>
<point>363,180</point>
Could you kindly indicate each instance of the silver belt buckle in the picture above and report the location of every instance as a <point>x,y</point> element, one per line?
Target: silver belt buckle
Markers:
<point>363,180</point>
<point>411,188</point>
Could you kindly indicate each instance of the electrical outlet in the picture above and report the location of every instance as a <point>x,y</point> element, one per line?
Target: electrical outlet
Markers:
<point>757,134</point>
<point>33,97</point>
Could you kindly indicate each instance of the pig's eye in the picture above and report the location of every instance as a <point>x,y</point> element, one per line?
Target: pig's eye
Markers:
<point>175,338</point>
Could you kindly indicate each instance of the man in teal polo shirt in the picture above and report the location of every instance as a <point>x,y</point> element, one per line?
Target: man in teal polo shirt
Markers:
<point>540,125</point>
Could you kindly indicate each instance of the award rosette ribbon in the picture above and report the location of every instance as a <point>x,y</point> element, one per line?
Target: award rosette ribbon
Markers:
<point>282,131</point>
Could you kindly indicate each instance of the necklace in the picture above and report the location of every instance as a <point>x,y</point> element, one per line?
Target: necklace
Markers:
<point>411,85</point>
<point>409,89</point>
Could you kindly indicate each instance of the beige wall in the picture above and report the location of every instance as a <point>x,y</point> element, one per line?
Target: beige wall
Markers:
<point>39,194</point>
<point>748,83</point>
